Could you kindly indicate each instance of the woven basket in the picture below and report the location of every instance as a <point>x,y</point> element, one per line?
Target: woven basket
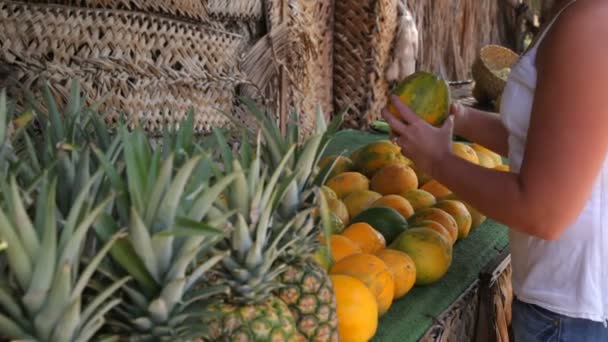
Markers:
<point>150,67</point>
<point>363,35</point>
<point>491,59</point>
<point>207,11</point>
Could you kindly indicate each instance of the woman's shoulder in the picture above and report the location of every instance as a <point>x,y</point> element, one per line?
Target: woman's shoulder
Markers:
<point>581,28</point>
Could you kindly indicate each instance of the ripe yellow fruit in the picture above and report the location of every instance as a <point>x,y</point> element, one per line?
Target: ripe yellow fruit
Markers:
<point>374,273</point>
<point>431,252</point>
<point>394,179</point>
<point>341,247</point>
<point>436,189</point>
<point>502,168</point>
<point>419,199</point>
<point>495,156</point>
<point>400,204</point>
<point>356,308</point>
<point>403,269</point>
<point>348,182</point>
<point>439,216</point>
<point>465,152</point>
<point>365,236</point>
<point>358,201</point>
<point>460,213</point>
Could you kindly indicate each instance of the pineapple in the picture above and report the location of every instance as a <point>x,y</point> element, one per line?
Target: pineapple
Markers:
<point>306,287</point>
<point>252,312</point>
<point>43,298</point>
<point>170,216</point>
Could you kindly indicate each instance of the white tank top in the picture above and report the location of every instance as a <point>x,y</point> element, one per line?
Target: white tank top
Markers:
<point>568,276</point>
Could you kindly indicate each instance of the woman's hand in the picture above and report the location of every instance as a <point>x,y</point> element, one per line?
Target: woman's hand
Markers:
<point>421,142</point>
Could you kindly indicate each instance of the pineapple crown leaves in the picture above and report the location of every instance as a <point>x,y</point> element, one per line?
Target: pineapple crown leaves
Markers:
<point>45,300</point>
<point>257,241</point>
<point>169,209</point>
<point>59,140</point>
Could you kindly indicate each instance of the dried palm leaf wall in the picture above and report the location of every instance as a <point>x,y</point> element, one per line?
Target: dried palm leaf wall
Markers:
<point>155,59</point>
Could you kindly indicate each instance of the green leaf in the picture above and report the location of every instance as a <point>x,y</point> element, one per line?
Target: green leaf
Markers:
<point>124,254</point>
<point>56,302</point>
<point>200,270</point>
<point>3,116</point>
<point>73,246</point>
<point>26,230</point>
<point>92,310</point>
<point>11,330</point>
<point>142,243</point>
<point>45,262</point>
<point>57,133</point>
<point>224,150</point>
<point>185,227</point>
<point>18,259</point>
<point>136,174</point>
<point>76,209</point>
<point>66,325</point>
<point>96,322</point>
<point>171,201</point>
<point>204,202</point>
<point>162,182</point>
<point>9,305</point>
<point>91,267</point>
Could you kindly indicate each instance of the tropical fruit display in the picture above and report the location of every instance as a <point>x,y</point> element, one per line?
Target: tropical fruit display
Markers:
<point>106,234</point>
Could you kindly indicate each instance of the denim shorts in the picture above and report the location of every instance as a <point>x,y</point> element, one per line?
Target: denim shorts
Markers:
<point>531,323</point>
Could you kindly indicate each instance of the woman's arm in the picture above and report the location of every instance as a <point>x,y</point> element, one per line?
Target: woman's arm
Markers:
<point>484,128</point>
<point>567,140</point>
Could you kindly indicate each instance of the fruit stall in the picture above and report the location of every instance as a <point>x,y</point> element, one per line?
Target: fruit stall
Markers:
<point>217,171</point>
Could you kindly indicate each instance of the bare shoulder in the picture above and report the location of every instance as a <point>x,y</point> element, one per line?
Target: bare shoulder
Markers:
<point>582,27</point>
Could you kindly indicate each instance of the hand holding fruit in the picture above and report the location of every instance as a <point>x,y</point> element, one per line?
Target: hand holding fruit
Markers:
<point>423,143</point>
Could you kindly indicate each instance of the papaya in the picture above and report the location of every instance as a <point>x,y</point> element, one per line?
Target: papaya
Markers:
<point>485,160</point>
<point>436,227</point>
<point>430,251</point>
<point>460,213</point>
<point>374,156</point>
<point>477,218</point>
<point>436,189</point>
<point>396,202</point>
<point>394,179</point>
<point>338,208</point>
<point>425,94</point>
<point>465,152</point>
<point>385,220</point>
<point>358,201</point>
<point>495,156</point>
<point>419,198</point>
<point>347,182</point>
<point>438,215</point>
<point>502,168</point>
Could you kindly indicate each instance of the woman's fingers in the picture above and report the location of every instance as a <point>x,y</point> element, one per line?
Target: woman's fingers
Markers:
<point>398,127</point>
<point>404,112</point>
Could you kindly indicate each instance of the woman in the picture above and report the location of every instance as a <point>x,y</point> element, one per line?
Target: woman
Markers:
<point>554,129</point>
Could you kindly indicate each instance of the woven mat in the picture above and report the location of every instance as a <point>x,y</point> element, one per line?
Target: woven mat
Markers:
<point>411,316</point>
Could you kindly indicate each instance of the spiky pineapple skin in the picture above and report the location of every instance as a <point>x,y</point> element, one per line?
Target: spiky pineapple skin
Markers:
<point>270,320</point>
<point>309,294</point>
